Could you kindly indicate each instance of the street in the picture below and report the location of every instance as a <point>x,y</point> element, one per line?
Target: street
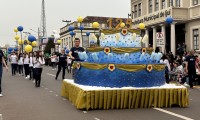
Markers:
<point>23,101</point>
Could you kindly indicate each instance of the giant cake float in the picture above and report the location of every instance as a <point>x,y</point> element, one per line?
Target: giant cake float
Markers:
<point>118,72</point>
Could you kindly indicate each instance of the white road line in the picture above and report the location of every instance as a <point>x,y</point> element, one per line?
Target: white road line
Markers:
<point>50,91</point>
<point>85,112</point>
<point>51,74</point>
<point>96,118</point>
<point>56,95</point>
<point>173,114</point>
<point>1,117</point>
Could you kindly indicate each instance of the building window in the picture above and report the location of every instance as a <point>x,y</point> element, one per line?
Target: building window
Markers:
<point>196,39</point>
<point>163,4</point>
<point>195,2</point>
<point>156,5</point>
<point>150,6</point>
<point>178,3</point>
<point>139,10</point>
<point>135,11</point>
<point>170,3</point>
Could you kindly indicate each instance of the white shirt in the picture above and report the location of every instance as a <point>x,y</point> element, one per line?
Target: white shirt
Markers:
<point>20,62</point>
<point>31,62</point>
<point>26,60</point>
<point>53,58</point>
<point>166,63</point>
<point>13,59</point>
<point>38,63</point>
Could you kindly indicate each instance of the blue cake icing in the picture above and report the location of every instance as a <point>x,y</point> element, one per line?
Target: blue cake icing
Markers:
<point>116,49</point>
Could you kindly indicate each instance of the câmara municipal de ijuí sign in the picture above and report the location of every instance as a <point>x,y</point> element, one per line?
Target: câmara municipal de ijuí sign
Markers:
<point>152,17</point>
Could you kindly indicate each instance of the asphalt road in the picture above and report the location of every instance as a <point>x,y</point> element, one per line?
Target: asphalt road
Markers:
<point>22,101</point>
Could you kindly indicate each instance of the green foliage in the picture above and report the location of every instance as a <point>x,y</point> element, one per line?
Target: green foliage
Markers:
<point>48,47</point>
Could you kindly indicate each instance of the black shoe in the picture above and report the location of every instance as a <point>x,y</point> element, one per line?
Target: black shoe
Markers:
<point>56,78</point>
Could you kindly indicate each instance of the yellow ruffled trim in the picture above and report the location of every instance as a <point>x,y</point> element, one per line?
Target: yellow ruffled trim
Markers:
<point>114,31</point>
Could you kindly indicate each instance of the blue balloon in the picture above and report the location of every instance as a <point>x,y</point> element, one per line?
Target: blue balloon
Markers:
<point>10,49</point>
<point>72,33</point>
<point>169,20</point>
<point>31,38</point>
<point>15,49</point>
<point>81,28</point>
<point>67,51</point>
<point>9,52</point>
<point>88,33</point>
<point>71,28</point>
<point>20,28</point>
<point>65,47</point>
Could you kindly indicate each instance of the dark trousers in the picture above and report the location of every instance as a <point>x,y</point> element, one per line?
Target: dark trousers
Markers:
<point>1,71</point>
<point>59,69</point>
<point>37,73</point>
<point>20,68</point>
<point>192,77</point>
<point>14,68</point>
<point>53,65</point>
<point>26,69</point>
<point>31,72</point>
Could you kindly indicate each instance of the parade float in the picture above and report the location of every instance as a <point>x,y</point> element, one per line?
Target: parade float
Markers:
<point>118,72</point>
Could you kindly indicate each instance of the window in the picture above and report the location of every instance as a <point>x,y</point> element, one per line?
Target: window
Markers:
<point>156,5</point>
<point>195,2</point>
<point>139,10</point>
<point>170,3</point>
<point>135,11</point>
<point>196,39</point>
<point>150,6</point>
<point>177,3</point>
<point>163,4</point>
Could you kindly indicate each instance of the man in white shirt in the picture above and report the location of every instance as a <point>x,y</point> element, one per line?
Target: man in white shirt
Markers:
<point>13,61</point>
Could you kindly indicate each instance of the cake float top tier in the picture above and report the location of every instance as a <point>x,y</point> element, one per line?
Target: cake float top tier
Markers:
<point>119,38</point>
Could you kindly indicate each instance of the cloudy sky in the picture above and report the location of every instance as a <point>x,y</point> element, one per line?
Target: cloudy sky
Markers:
<point>27,13</point>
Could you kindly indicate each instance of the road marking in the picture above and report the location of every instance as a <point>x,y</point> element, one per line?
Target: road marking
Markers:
<point>56,95</point>
<point>51,74</point>
<point>85,112</point>
<point>46,88</point>
<point>1,117</point>
<point>50,91</point>
<point>64,99</point>
<point>96,118</point>
<point>173,114</point>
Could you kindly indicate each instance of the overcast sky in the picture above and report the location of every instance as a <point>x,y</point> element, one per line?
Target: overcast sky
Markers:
<point>27,13</point>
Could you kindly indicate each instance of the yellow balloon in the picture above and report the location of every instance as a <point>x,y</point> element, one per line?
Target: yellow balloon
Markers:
<point>28,48</point>
<point>95,25</point>
<point>15,30</point>
<point>34,43</point>
<point>20,42</point>
<point>122,25</point>
<point>141,26</point>
<point>17,37</point>
<point>59,41</point>
<point>80,19</point>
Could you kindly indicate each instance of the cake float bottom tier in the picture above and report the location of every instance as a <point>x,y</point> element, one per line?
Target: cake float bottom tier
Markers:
<point>119,75</point>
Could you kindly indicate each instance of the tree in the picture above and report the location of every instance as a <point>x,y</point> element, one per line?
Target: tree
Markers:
<point>50,44</point>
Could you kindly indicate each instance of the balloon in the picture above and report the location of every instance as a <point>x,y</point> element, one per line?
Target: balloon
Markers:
<point>34,43</point>
<point>17,37</point>
<point>59,41</point>
<point>141,26</point>
<point>10,49</point>
<point>80,19</point>
<point>31,38</point>
<point>169,20</point>
<point>72,33</point>
<point>28,48</point>
<point>20,28</point>
<point>95,25</point>
<point>9,52</point>
<point>67,51</point>
<point>88,33</point>
<point>15,30</point>
<point>71,28</point>
<point>81,28</point>
<point>122,25</point>
<point>20,42</point>
<point>15,49</point>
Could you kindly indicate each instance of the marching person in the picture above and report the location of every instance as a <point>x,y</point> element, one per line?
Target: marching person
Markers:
<point>38,63</point>
<point>62,63</point>
<point>2,63</point>
<point>191,66</point>
<point>53,61</point>
<point>34,69</point>
<point>13,60</point>
<point>31,65</point>
<point>26,65</point>
<point>20,64</point>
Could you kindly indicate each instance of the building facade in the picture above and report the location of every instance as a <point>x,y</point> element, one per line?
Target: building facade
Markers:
<point>184,30</point>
